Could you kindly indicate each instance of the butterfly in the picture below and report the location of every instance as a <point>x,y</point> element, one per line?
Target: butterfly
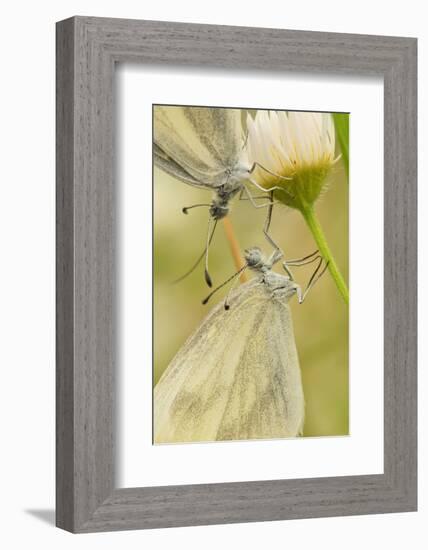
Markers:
<point>238,376</point>
<point>205,147</point>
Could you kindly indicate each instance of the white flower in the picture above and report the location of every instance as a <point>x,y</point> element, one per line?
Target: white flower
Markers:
<point>296,145</point>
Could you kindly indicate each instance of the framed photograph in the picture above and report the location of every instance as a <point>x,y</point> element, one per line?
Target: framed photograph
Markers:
<point>236,274</point>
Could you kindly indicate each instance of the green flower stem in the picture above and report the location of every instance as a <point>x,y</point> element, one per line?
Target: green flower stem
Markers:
<point>341,123</point>
<point>318,234</point>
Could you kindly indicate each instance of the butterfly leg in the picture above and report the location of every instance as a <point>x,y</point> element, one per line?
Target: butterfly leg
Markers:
<point>270,189</point>
<point>242,198</point>
<point>316,275</point>
<point>298,262</point>
<point>258,165</point>
<point>284,265</point>
<point>277,254</point>
<point>275,187</point>
<point>302,261</point>
<point>270,206</point>
<point>252,199</point>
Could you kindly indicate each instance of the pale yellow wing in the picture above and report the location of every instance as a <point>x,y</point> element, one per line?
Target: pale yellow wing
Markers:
<point>237,377</point>
<point>198,142</point>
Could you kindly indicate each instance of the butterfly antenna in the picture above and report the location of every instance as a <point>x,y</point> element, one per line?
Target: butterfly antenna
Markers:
<point>226,301</point>
<point>186,209</point>
<point>195,265</point>
<point>191,270</point>
<point>225,283</point>
<point>210,235</point>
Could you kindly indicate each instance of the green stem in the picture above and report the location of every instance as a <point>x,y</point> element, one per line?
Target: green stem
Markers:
<point>318,234</point>
<point>341,123</point>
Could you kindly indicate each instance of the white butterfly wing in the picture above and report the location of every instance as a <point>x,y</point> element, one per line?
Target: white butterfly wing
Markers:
<point>220,131</point>
<point>203,141</point>
<point>237,377</point>
<point>168,165</point>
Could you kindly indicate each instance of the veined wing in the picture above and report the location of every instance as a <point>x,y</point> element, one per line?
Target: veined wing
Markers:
<point>219,130</point>
<point>203,141</point>
<point>168,165</point>
<point>237,377</point>
<point>266,398</point>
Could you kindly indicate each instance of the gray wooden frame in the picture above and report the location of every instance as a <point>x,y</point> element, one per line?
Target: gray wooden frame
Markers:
<point>87,50</point>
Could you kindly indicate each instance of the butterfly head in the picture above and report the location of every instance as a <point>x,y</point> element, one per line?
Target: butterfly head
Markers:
<point>219,208</point>
<point>254,258</point>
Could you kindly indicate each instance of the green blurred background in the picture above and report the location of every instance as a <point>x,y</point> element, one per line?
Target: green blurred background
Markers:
<point>320,323</point>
